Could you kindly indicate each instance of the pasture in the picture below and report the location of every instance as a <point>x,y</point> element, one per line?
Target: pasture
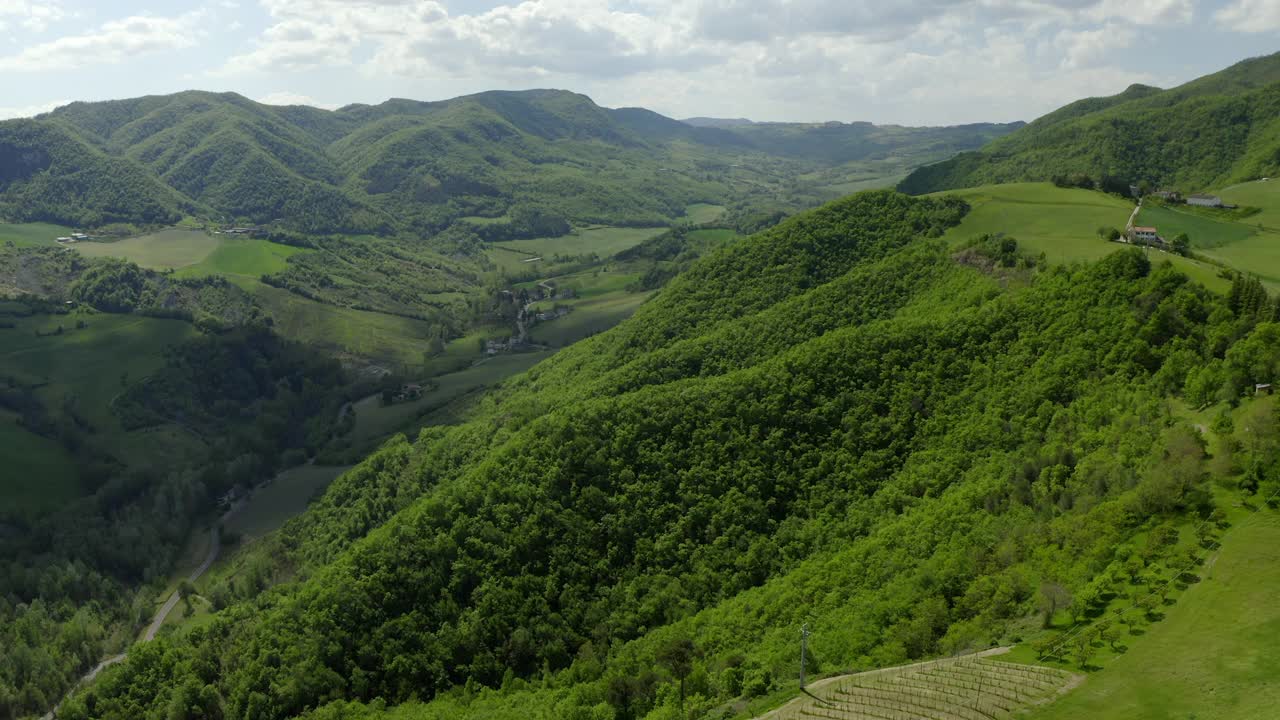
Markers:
<point>32,234</point>
<point>699,213</point>
<point>1213,656</point>
<point>168,249</point>
<point>1205,232</point>
<point>1258,194</point>
<point>286,496</point>
<point>603,241</point>
<point>243,258</point>
<point>39,475</point>
<point>590,315</point>
<point>375,421</point>
<point>389,338</point>
<point>1062,223</point>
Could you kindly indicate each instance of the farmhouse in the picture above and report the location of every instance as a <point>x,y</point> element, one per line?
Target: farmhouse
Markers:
<point>1169,195</point>
<point>1143,235</point>
<point>1204,200</point>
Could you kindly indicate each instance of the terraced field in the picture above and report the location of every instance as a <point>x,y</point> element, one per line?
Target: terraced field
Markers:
<point>972,687</point>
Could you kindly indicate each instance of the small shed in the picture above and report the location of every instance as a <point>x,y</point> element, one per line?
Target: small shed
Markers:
<point>1262,389</point>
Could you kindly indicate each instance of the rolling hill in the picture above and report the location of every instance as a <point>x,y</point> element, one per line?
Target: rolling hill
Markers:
<point>916,446</point>
<point>408,165</point>
<point>1213,131</point>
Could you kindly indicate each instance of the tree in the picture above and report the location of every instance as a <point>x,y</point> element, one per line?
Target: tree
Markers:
<point>1082,647</point>
<point>1181,244</point>
<point>677,657</point>
<point>1109,633</point>
<point>1053,597</point>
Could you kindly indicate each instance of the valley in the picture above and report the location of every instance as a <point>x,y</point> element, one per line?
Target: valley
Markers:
<point>518,406</point>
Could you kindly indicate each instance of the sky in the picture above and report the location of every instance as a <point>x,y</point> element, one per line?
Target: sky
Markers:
<point>910,62</point>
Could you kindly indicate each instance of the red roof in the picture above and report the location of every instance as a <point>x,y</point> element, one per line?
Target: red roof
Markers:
<point>1144,229</point>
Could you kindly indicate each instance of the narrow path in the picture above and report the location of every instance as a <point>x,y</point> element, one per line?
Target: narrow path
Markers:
<point>215,545</point>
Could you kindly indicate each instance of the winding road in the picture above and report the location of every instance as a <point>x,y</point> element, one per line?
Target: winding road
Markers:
<point>215,545</point>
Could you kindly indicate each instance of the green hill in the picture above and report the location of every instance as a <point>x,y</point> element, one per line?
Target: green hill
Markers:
<point>405,165</point>
<point>915,446</point>
<point>1213,131</point>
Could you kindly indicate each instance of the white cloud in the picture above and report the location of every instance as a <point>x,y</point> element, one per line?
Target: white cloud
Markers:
<point>8,113</point>
<point>33,16</point>
<point>284,97</point>
<point>1085,48</point>
<point>113,42</point>
<point>1250,16</point>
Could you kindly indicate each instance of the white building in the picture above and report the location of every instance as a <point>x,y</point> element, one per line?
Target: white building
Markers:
<point>1204,200</point>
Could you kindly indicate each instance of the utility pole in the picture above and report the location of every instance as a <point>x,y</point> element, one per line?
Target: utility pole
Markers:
<point>804,643</point>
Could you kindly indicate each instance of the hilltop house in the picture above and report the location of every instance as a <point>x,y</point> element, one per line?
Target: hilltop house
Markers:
<point>1204,200</point>
<point>1143,235</point>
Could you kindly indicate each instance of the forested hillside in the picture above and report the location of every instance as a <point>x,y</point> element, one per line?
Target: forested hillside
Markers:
<point>1213,131</point>
<point>839,421</point>
<point>526,163</point>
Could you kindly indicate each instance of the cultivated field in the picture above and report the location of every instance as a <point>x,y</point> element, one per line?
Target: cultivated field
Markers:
<point>975,687</point>
<point>167,249</point>
<point>26,234</point>
<point>243,258</point>
<point>603,241</point>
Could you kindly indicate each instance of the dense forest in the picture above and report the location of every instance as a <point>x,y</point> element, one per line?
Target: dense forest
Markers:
<point>839,421</point>
<point>1213,131</point>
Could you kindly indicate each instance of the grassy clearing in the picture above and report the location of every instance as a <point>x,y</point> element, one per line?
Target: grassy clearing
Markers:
<point>1258,255</point>
<point>284,497</point>
<point>1062,223</point>
<point>1205,232</point>
<point>243,258</point>
<point>376,422</point>
<point>388,338</point>
<point>1213,656</point>
<point>88,364</point>
<point>603,241</point>
<point>1259,194</point>
<point>38,474</point>
<point>699,213</point>
<point>590,315</point>
<point>170,248</point>
<point>29,234</point>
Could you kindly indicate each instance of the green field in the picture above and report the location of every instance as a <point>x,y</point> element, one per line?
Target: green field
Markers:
<point>26,234</point>
<point>243,258</point>
<point>86,367</point>
<point>590,315</point>
<point>284,497</point>
<point>38,474</point>
<point>1204,232</point>
<point>1214,655</point>
<point>603,241</point>
<point>699,213</point>
<point>1258,194</point>
<point>343,330</point>
<point>170,248</point>
<point>1060,222</point>
<point>376,422</point>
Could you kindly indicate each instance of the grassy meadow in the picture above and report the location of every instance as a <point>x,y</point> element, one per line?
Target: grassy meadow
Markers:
<point>243,259</point>
<point>603,241</point>
<point>286,496</point>
<point>1062,223</point>
<point>699,213</point>
<point>1264,195</point>
<point>39,475</point>
<point>1213,656</point>
<point>168,249</point>
<point>32,234</point>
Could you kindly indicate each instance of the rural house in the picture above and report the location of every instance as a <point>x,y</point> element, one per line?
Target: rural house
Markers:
<point>1204,200</point>
<point>1142,235</point>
